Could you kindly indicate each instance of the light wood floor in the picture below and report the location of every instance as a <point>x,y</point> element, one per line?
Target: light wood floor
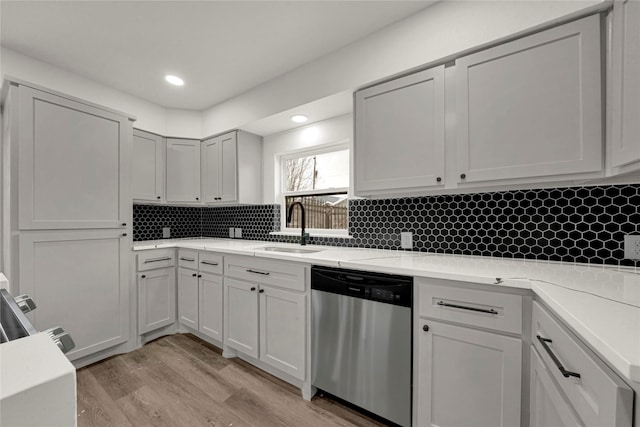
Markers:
<point>180,380</point>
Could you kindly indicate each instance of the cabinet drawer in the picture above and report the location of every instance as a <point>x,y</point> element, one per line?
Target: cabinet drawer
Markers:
<point>210,263</point>
<point>188,258</point>
<point>491,310</point>
<point>274,273</point>
<point>156,258</point>
<point>597,394</point>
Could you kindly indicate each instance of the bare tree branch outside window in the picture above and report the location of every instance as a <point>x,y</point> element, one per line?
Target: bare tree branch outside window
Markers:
<point>301,174</point>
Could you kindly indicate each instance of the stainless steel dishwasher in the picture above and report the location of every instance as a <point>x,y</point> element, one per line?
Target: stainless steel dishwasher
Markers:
<point>361,339</point>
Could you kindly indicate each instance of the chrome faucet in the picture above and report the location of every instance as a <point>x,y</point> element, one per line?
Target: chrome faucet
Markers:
<point>303,236</point>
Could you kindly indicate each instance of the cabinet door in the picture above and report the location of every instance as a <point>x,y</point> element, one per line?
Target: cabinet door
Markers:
<point>467,377</point>
<point>188,297</point>
<point>79,281</point>
<point>183,170</point>
<point>548,406</point>
<point>147,167</point>
<point>211,306</point>
<point>282,330</point>
<point>73,164</point>
<point>228,169</point>
<point>626,83</point>
<point>399,134</point>
<point>156,299</point>
<point>211,161</point>
<point>532,107</point>
<point>241,316</point>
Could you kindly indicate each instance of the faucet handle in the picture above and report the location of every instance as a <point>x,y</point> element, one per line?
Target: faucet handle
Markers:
<point>303,238</point>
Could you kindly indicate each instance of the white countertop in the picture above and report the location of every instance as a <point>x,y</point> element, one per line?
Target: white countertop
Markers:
<point>600,303</point>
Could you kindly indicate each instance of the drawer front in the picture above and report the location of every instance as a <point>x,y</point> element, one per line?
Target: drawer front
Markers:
<point>490,310</point>
<point>188,258</point>
<point>156,258</point>
<point>210,263</point>
<point>598,395</point>
<point>274,273</point>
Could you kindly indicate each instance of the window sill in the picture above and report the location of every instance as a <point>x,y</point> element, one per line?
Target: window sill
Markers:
<point>311,234</point>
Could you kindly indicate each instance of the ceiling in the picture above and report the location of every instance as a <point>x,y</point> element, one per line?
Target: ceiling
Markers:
<point>220,48</point>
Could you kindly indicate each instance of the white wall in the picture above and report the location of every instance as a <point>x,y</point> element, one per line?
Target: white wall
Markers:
<point>331,131</point>
<point>150,117</point>
<point>442,30</point>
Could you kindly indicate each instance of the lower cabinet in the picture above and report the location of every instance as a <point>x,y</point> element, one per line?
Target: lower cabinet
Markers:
<point>548,407</point>
<point>188,297</point>
<point>468,377</point>
<point>241,316</point>
<point>156,299</point>
<point>266,322</point>
<point>210,305</point>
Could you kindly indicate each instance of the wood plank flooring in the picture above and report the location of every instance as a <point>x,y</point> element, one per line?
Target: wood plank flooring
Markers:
<point>181,380</point>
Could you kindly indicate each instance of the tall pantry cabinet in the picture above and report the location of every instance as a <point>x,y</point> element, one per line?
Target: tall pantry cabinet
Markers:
<point>67,213</point>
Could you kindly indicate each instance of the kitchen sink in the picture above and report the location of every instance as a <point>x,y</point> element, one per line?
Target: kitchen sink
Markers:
<point>290,250</point>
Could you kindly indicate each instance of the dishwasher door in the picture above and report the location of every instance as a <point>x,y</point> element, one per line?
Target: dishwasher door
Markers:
<point>361,352</point>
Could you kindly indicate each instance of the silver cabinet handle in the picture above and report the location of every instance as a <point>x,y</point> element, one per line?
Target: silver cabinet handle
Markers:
<point>187,259</point>
<point>462,307</point>
<point>147,261</point>
<point>208,263</point>
<point>264,273</point>
<point>62,339</point>
<point>556,361</point>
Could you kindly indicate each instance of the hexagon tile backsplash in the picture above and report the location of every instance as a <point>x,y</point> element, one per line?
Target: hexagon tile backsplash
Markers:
<point>578,224</point>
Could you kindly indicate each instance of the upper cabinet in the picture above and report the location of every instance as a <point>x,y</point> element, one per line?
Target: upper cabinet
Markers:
<point>183,170</point>
<point>73,163</point>
<point>231,168</point>
<point>625,99</point>
<point>148,166</point>
<point>532,108</point>
<point>400,135</point>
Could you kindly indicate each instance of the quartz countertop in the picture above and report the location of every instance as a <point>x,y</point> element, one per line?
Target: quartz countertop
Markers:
<point>600,303</point>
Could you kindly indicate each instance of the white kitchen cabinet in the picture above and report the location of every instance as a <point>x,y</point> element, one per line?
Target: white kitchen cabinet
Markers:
<point>72,163</point>
<point>532,108</point>
<point>468,377</point>
<point>188,297</point>
<point>148,166</point>
<point>156,299</point>
<point>211,305</point>
<point>183,170</point>
<point>231,168</point>
<point>548,407</point>
<point>400,134</point>
<point>625,97</point>
<point>282,330</point>
<point>241,316</point>
<point>80,281</point>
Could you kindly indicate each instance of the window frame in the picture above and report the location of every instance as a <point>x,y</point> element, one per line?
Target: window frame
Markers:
<point>306,152</point>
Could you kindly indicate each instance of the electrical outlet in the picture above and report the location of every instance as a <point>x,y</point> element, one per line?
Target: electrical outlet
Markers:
<point>238,233</point>
<point>632,246</point>
<point>166,232</point>
<point>406,240</point>
<point>231,232</point>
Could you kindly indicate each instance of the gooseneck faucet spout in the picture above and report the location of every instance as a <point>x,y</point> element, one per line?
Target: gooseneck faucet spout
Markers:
<point>303,236</point>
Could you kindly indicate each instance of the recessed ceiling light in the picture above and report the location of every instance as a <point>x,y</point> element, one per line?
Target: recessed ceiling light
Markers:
<point>177,81</point>
<point>299,118</point>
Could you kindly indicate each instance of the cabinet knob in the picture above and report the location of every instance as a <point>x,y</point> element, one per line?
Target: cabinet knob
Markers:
<point>124,224</point>
<point>463,176</point>
<point>124,234</point>
<point>143,276</point>
<point>438,179</point>
<point>199,275</point>
<point>253,289</point>
<point>197,198</point>
<point>425,328</point>
<point>261,291</point>
<point>159,197</point>
<point>194,275</point>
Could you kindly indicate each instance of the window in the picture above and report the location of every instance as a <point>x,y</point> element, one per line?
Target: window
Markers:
<point>318,179</point>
